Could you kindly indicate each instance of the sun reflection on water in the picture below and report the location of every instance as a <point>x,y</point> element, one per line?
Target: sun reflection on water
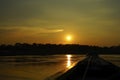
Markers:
<point>68,65</point>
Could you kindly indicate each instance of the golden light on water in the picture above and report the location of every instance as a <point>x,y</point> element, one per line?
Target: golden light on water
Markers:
<point>68,65</point>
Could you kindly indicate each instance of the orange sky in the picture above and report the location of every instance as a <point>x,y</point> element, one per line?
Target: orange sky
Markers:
<point>90,22</point>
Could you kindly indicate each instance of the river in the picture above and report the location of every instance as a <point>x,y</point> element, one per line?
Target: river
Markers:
<point>41,67</point>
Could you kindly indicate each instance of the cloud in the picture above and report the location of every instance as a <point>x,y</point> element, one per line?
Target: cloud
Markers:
<point>20,12</point>
<point>28,34</point>
<point>4,30</point>
<point>29,30</point>
<point>43,17</point>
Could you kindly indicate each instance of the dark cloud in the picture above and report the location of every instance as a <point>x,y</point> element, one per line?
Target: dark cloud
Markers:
<point>23,10</point>
<point>19,12</point>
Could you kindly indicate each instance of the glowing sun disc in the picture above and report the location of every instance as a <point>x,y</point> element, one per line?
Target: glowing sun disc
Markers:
<point>68,37</point>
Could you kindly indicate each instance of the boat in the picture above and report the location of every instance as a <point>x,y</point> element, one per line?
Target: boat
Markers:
<point>92,67</point>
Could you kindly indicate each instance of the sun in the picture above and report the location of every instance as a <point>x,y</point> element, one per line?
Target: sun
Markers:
<point>68,37</point>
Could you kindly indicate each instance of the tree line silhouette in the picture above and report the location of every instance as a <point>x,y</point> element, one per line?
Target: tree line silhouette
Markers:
<point>50,49</point>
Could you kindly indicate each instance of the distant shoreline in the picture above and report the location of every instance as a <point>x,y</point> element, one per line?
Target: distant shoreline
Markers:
<point>51,49</point>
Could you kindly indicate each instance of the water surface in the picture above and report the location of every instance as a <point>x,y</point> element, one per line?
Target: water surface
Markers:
<point>41,67</point>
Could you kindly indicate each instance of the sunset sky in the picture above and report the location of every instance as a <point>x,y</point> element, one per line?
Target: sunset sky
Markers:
<point>90,22</point>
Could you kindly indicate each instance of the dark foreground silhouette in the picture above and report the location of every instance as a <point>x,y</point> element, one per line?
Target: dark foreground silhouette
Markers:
<point>91,68</point>
<point>51,49</point>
